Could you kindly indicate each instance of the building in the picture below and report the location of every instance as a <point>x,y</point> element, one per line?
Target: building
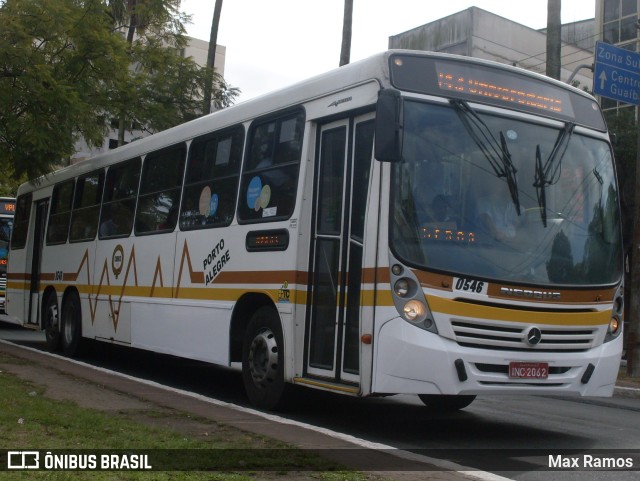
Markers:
<point>196,49</point>
<point>579,33</point>
<point>477,33</point>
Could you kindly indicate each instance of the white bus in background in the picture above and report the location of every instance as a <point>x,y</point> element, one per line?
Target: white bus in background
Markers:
<point>7,211</point>
<point>411,223</point>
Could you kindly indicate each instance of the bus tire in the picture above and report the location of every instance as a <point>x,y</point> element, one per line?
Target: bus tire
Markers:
<point>263,360</point>
<point>446,402</point>
<point>51,323</point>
<point>71,327</point>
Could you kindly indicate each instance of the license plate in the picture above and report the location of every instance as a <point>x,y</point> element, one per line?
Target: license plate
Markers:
<point>528,370</point>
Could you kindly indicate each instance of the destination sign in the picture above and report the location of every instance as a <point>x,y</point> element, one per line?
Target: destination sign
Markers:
<point>493,84</point>
<point>7,207</point>
<point>464,79</point>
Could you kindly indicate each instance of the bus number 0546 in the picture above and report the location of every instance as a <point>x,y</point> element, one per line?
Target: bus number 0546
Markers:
<point>470,285</point>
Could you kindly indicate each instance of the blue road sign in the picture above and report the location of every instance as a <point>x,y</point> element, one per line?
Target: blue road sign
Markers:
<point>616,73</point>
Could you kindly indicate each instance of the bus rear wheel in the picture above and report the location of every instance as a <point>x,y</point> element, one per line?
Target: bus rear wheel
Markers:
<point>71,328</point>
<point>263,360</point>
<point>51,323</point>
<point>446,402</point>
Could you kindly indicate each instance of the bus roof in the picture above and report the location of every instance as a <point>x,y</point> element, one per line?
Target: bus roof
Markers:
<point>374,68</point>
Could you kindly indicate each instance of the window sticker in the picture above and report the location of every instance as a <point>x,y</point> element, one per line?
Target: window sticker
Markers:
<point>270,212</point>
<point>213,204</point>
<point>204,205</point>
<point>265,196</point>
<point>253,193</point>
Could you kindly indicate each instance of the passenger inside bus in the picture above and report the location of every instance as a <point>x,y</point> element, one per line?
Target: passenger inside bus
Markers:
<point>108,227</point>
<point>116,219</point>
<point>496,214</point>
<point>436,213</point>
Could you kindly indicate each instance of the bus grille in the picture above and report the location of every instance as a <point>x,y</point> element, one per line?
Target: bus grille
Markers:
<point>514,338</point>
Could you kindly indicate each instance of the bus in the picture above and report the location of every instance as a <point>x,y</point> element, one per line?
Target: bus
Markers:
<point>414,223</point>
<point>7,210</point>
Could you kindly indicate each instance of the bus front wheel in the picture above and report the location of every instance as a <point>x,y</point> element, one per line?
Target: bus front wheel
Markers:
<point>263,360</point>
<point>443,402</point>
<point>52,323</point>
<point>71,330</point>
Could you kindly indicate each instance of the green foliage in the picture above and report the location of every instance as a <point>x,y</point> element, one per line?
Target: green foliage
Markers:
<point>8,182</point>
<point>68,67</point>
<point>54,57</point>
<point>164,88</point>
<point>623,125</point>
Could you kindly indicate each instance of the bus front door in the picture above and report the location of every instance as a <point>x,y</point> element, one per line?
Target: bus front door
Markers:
<point>38,229</point>
<point>338,246</point>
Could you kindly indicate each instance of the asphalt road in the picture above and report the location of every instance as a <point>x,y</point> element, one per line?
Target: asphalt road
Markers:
<point>489,434</point>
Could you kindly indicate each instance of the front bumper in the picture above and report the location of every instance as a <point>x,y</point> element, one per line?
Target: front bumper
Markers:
<point>410,360</point>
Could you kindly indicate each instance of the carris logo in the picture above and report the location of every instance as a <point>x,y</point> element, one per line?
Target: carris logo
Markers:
<point>335,103</point>
<point>530,294</point>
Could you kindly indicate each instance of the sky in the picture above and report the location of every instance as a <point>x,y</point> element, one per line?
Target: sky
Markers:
<point>274,43</point>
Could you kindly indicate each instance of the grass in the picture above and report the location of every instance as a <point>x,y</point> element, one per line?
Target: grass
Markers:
<point>31,421</point>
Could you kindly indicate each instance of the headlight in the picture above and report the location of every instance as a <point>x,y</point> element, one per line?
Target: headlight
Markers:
<point>401,287</point>
<point>397,269</point>
<point>615,323</point>
<point>414,311</point>
<point>409,298</point>
<point>614,326</point>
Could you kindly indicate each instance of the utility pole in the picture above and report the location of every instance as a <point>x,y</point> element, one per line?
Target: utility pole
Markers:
<point>554,33</point>
<point>211,58</point>
<point>347,23</point>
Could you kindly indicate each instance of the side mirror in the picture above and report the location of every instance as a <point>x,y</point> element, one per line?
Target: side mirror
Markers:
<point>389,116</point>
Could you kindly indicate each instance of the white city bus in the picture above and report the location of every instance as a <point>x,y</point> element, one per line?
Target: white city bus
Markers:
<point>410,223</point>
<point>7,210</point>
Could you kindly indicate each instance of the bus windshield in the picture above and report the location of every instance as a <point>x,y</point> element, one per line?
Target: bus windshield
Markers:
<point>492,197</point>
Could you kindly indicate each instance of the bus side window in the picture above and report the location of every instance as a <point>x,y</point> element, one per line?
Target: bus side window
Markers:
<point>86,207</point>
<point>270,178</point>
<point>60,213</point>
<point>121,189</point>
<point>211,181</point>
<point>160,187</point>
<point>21,222</point>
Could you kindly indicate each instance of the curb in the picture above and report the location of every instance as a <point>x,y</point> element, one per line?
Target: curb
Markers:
<point>392,463</point>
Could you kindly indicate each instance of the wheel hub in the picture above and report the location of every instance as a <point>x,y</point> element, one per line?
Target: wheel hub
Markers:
<point>52,318</point>
<point>263,358</point>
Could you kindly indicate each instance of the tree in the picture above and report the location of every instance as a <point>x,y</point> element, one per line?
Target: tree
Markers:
<point>54,59</point>
<point>155,36</point>
<point>347,24</point>
<point>623,124</point>
<point>67,69</point>
<point>8,184</point>
<point>164,88</point>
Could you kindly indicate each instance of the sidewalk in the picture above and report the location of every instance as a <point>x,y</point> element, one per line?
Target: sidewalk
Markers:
<point>100,390</point>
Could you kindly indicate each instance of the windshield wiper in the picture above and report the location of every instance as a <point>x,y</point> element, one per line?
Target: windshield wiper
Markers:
<point>497,153</point>
<point>511,171</point>
<point>549,173</point>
